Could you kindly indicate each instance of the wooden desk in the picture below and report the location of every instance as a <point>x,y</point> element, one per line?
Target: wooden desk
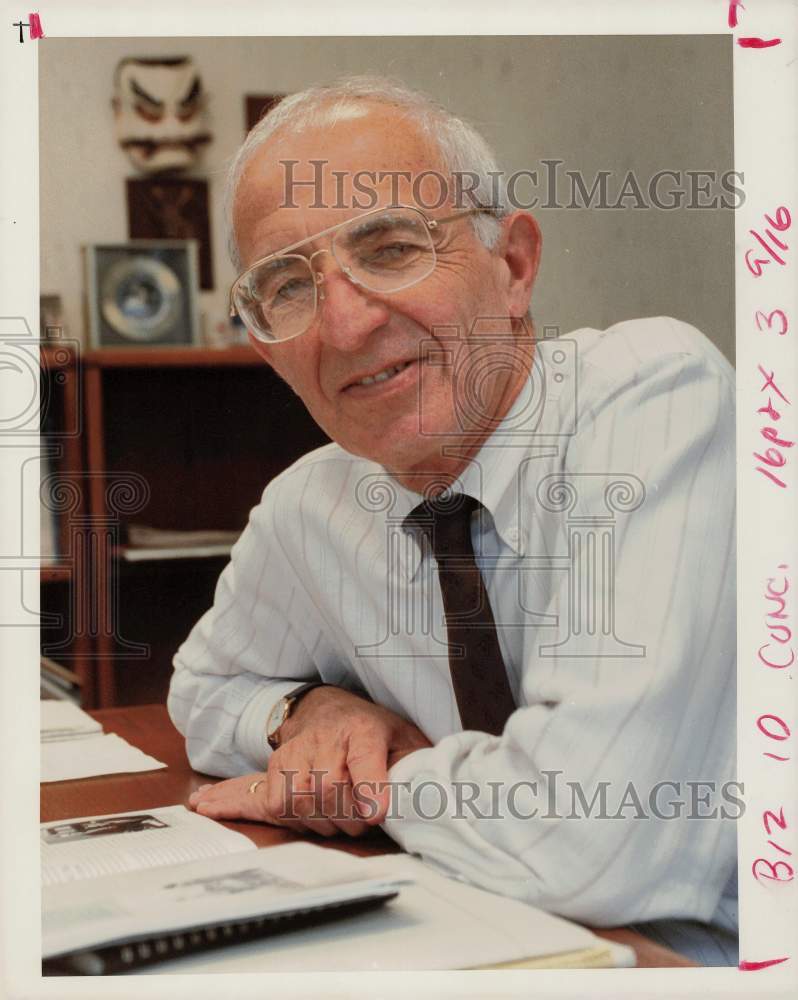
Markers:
<point>149,728</point>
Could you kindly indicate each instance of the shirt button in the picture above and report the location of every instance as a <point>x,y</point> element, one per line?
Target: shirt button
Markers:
<point>513,533</point>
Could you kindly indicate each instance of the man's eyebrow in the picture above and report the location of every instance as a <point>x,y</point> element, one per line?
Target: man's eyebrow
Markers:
<point>379,224</point>
<point>279,262</point>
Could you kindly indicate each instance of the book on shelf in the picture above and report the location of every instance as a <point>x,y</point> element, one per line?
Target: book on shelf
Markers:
<point>58,683</point>
<point>145,543</point>
<point>171,891</point>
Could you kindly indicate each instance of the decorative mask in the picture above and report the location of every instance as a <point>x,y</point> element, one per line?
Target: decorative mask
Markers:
<point>159,106</point>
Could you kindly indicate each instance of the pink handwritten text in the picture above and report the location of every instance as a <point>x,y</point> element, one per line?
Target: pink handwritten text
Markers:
<point>748,43</point>
<point>780,635</point>
<point>769,242</point>
<point>772,456</point>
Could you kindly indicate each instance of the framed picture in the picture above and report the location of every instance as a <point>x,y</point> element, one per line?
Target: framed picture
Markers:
<point>142,293</point>
<point>172,208</point>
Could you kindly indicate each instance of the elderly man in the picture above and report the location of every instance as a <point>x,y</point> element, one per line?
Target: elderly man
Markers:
<point>497,614</point>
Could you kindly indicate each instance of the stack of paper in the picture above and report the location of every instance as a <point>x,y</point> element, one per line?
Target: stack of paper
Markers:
<point>114,879</point>
<point>61,720</point>
<point>435,923</point>
<point>73,745</point>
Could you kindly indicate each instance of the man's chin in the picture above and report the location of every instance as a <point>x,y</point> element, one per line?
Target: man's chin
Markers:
<point>420,462</point>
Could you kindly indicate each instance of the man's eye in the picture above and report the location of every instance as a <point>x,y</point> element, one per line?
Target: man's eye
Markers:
<point>392,254</point>
<point>289,292</point>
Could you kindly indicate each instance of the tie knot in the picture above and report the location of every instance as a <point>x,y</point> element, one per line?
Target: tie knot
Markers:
<point>446,521</point>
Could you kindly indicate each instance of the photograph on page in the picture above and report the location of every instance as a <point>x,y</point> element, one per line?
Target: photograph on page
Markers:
<point>404,467</point>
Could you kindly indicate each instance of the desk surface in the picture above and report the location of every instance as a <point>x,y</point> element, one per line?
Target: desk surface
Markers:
<point>149,728</point>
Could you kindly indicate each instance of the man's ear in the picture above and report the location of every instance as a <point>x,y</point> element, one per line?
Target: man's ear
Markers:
<point>519,248</point>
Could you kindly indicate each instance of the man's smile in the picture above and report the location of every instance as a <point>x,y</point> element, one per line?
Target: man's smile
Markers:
<point>388,378</point>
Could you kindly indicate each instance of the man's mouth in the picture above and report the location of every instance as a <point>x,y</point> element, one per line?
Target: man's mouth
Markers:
<point>384,375</point>
<point>392,378</point>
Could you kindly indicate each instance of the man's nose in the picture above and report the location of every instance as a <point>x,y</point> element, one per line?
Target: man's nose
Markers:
<point>349,313</point>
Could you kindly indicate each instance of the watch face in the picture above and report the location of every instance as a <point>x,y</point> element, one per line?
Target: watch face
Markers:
<point>276,718</point>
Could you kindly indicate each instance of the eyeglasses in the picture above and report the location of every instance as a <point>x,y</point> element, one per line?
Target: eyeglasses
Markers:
<point>384,250</point>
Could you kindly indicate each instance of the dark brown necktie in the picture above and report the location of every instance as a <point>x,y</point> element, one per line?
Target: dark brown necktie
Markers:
<point>479,676</point>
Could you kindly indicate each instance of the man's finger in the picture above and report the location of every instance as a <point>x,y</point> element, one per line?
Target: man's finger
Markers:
<point>295,793</point>
<point>197,794</point>
<point>367,761</point>
<point>350,821</point>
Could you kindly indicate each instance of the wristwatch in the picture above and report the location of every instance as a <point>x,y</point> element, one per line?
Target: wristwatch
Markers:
<point>282,709</point>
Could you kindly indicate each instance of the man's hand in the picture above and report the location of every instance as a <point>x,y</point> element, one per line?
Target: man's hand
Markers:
<point>331,768</point>
<point>232,799</point>
<point>330,772</point>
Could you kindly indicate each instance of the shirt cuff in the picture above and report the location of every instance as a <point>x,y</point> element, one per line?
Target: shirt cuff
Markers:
<point>250,735</point>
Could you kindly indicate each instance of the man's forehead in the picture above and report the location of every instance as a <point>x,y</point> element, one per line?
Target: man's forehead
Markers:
<point>299,182</point>
<point>334,161</point>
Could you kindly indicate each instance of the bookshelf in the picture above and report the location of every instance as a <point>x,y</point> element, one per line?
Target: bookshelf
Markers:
<point>66,665</point>
<point>174,439</point>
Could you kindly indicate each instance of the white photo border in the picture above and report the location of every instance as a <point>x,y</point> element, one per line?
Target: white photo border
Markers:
<point>764,116</point>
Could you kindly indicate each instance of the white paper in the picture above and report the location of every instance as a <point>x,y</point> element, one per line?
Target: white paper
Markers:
<point>84,848</point>
<point>63,720</point>
<point>179,897</point>
<point>435,923</point>
<point>101,753</point>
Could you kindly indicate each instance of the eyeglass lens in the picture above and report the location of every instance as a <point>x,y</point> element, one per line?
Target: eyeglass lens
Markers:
<point>384,252</point>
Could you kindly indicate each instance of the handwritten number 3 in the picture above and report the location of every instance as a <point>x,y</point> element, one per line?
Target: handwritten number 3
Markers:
<point>769,320</point>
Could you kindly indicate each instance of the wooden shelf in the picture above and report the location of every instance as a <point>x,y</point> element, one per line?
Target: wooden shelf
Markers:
<point>205,429</point>
<point>173,357</point>
<point>53,573</point>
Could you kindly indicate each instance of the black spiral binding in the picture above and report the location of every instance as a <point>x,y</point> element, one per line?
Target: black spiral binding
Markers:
<point>145,951</point>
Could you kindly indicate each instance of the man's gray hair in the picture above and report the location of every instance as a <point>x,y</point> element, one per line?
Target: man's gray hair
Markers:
<point>463,150</point>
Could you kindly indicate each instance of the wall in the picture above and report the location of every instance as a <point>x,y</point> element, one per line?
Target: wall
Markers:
<point>610,103</point>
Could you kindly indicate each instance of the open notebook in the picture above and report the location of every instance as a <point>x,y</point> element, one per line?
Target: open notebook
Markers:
<point>181,893</point>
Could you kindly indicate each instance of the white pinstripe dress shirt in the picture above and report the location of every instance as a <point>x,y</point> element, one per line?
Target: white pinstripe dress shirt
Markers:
<point>608,552</point>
